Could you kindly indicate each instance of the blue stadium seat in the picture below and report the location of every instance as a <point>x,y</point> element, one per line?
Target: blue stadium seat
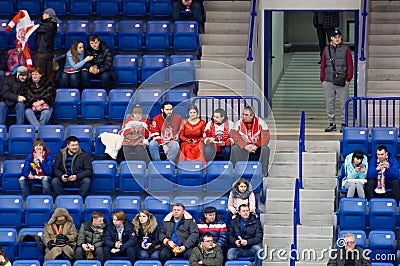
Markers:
<point>132,176</point>
<point>57,263</point>
<point>382,214</point>
<point>94,104</point>
<point>159,206</point>
<point>34,7</point>
<point>126,66</point>
<point>87,263</point>
<point>352,213</point>
<point>191,203</point>
<point>354,138</point>
<point>160,8</point>
<point>238,263</point>
<point>81,8</point>
<point>5,36</point>
<point>106,30</point>
<point>73,203</point>
<point>107,8</point>
<point>59,41</point>
<point>76,30</point>
<point>359,235</point>
<point>381,264</point>
<point>38,210</point>
<point>186,35</point>
<point>99,147</point>
<point>161,177</point>
<point>180,99</point>
<point>177,262</point>
<point>117,263</point>
<point>11,210</point>
<point>101,203</point>
<point>150,100</point>
<point>181,70</point>
<point>20,139</point>
<point>3,139</point>
<point>151,64</point>
<point>219,177</point>
<point>104,175</point>
<point>131,205</point>
<point>30,262</point>
<point>384,136</point>
<point>84,133</point>
<point>251,171</point>
<point>158,35</point>
<point>190,176</point>
<point>382,242</point>
<point>7,8</point>
<point>53,136</point>
<point>60,6</point>
<point>118,101</point>
<point>8,240</point>
<point>130,35</point>
<point>134,8</point>
<point>67,104</point>
<point>11,174</point>
<point>30,250</point>
<point>147,263</point>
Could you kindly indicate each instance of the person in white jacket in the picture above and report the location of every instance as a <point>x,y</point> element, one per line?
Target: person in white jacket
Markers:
<point>356,168</point>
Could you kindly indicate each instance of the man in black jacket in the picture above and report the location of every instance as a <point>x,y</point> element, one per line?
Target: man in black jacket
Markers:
<point>245,236</point>
<point>101,66</point>
<point>349,254</point>
<point>72,168</point>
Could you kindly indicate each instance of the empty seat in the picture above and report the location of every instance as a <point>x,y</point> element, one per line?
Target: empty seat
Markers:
<point>186,35</point>
<point>30,249</point>
<point>384,136</point>
<point>84,133</point>
<point>238,263</point>
<point>87,263</point>
<point>251,171</point>
<point>131,205</point>
<point>105,29</point>
<point>53,136</point>
<point>118,101</point>
<point>191,203</point>
<point>130,35</point>
<point>60,6</point>
<point>147,263</point>
<point>81,8</point>
<point>354,138</point>
<point>181,70</point>
<point>177,262</point>
<point>190,176</point>
<point>180,99</point>
<point>132,176</point>
<point>160,8</point>
<point>159,206</point>
<point>151,66</point>
<point>11,210</point>
<point>76,30</point>
<point>59,41</point>
<point>134,8</point>
<point>104,175</point>
<point>382,244</point>
<point>219,177</point>
<point>4,35</point>
<point>3,139</point>
<point>57,263</point>
<point>30,262</point>
<point>161,177</point>
<point>126,66</point>
<point>359,235</point>
<point>117,263</point>
<point>101,203</point>
<point>8,240</point>
<point>38,210</point>
<point>150,100</point>
<point>99,147</point>
<point>11,174</point>
<point>382,214</point>
<point>352,213</point>
<point>73,203</point>
<point>67,104</point>
<point>93,104</point>
<point>33,7</point>
<point>107,8</point>
<point>7,8</point>
<point>20,140</point>
<point>158,35</point>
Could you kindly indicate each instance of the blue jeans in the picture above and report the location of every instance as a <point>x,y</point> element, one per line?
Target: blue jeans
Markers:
<point>234,253</point>
<point>210,152</point>
<point>104,79</point>
<point>27,183</point>
<point>144,254</point>
<point>43,120</point>
<point>83,185</point>
<point>19,110</point>
<point>70,80</point>
<point>154,149</point>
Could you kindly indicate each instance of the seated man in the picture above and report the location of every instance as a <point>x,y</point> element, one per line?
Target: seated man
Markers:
<point>194,6</point>
<point>178,232</point>
<point>383,172</point>
<point>344,255</point>
<point>245,236</point>
<point>165,133</point>
<point>251,136</point>
<point>207,253</point>
<point>209,223</point>
<point>100,67</point>
<point>72,168</point>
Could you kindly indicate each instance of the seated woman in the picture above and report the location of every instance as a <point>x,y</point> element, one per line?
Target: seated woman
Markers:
<point>15,59</point>
<point>356,167</point>
<point>38,168</point>
<point>74,62</point>
<point>241,193</point>
<point>146,230</point>
<point>191,136</point>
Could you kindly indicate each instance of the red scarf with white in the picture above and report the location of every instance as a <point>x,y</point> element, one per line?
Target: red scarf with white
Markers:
<point>250,135</point>
<point>221,130</point>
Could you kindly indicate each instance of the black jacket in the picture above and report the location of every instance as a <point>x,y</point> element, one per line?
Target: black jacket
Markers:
<point>12,87</point>
<point>44,91</point>
<point>338,258</point>
<point>81,164</point>
<point>102,58</point>
<point>252,232</point>
<point>45,36</point>
<point>129,238</point>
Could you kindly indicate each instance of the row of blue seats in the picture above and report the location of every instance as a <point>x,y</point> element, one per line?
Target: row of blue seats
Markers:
<point>88,8</point>
<point>174,262</point>
<point>132,35</point>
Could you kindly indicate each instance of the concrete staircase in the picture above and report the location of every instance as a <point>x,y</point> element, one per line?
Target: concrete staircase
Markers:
<point>225,41</point>
<point>383,51</point>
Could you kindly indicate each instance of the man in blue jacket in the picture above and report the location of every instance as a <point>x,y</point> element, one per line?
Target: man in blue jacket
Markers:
<point>383,172</point>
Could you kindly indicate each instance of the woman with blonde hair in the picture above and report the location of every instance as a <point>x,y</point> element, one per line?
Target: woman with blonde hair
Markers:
<point>146,230</point>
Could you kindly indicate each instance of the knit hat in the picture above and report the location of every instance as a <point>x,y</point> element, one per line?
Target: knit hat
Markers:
<point>335,32</point>
<point>210,209</point>
<point>22,70</point>
<point>52,13</point>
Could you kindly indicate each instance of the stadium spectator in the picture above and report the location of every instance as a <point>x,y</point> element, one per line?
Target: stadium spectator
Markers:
<point>207,253</point>
<point>356,167</point>
<point>4,260</point>
<point>15,59</point>
<point>325,23</point>
<point>217,136</point>
<point>245,236</point>
<point>241,193</point>
<point>59,236</point>
<point>120,238</point>
<point>210,223</point>
<point>101,66</point>
<point>165,132</point>
<point>38,169</point>
<point>178,233</point>
<point>3,65</point>
<point>44,42</point>
<point>251,136</point>
<point>90,238</point>
<point>349,254</point>
<point>191,136</point>
<point>146,230</point>
<point>182,8</point>
<point>13,96</point>
<point>383,172</point>
<point>73,65</point>
<point>72,168</point>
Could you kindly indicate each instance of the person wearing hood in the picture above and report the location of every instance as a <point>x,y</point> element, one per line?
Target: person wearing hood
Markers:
<point>38,168</point>
<point>146,230</point>
<point>207,253</point>
<point>59,236</point>
<point>90,238</point>
<point>120,238</point>
<point>241,193</point>
<point>44,42</point>
<point>356,168</point>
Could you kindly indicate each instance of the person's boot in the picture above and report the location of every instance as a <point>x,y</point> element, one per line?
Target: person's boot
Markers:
<point>332,127</point>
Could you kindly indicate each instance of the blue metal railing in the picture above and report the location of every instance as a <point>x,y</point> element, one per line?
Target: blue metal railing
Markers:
<point>302,145</point>
<point>253,18</point>
<point>296,221</point>
<point>363,32</point>
<point>373,112</point>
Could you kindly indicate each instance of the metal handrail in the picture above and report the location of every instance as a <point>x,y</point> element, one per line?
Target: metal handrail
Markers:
<point>363,33</point>
<point>253,18</point>
<point>302,146</point>
<point>296,220</point>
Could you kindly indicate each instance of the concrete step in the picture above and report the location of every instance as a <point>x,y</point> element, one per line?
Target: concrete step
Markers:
<point>218,74</point>
<point>307,219</point>
<point>223,16</point>
<point>383,74</point>
<point>306,207</point>
<point>302,230</point>
<point>384,62</point>
<point>234,6</point>
<point>384,39</point>
<point>217,50</point>
<point>378,50</point>
<point>308,157</point>
<point>237,62</point>
<point>385,6</point>
<point>311,146</point>
<point>384,28</point>
<point>223,39</point>
<point>227,27</point>
<point>305,194</point>
<point>303,243</point>
<point>382,16</point>
<point>235,86</point>
<point>317,170</point>
<point>308,183</point>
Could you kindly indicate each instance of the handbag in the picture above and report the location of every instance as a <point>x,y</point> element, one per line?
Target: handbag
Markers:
<point>339,77</point>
